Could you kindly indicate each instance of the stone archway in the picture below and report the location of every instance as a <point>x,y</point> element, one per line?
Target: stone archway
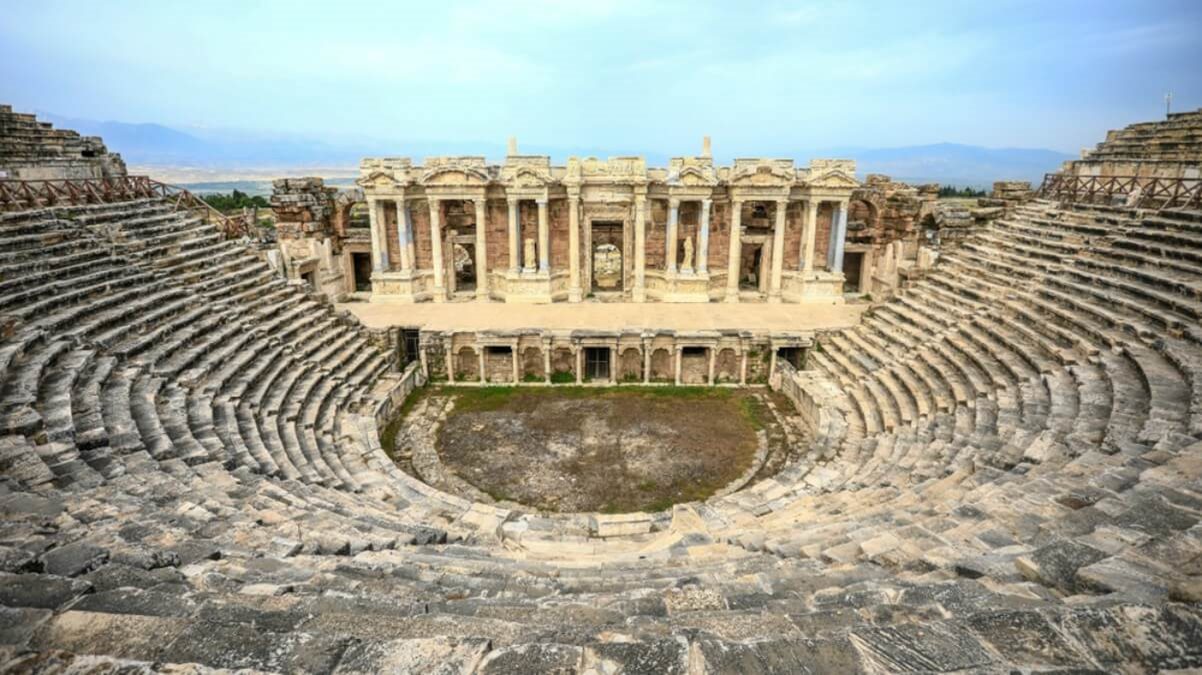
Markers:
<point>726,366</point>
<point>563,365</point>
<point>630,365</point>
<point>532,365</point>
<point>662,367</point>
<point>467,365</point>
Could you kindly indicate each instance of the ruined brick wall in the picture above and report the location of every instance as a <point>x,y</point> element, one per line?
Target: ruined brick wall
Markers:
<point>557,217</point>
<point>657,233</point>
<point>719,236</point>
<point>497,233</point>
<point>302,206</point>
<point>794,224</point>
<point>419,211</point>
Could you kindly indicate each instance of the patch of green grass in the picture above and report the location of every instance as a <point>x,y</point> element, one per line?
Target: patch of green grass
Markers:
<point>531,377</point>
<point>388,434</point>
<point>563,378</point>
<point>754,412</point>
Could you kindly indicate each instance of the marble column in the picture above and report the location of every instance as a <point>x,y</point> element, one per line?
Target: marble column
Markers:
<point>544,253</point>
<point>515,236</point>
<point>613,365</point>
<point>713,354</point>
<point>778,250</point>
<point>679,358</point>
<point>833,237</point>
<point>639,292</point>
<point>703,244</point>
<point>579,365</point>
<point>732,264</point>
<point>646,362</point>
<point>379,254</point>
<point>450,359</point>
<point>402,234</point>
<point>547,362</point>
<point>410,239</point>
<point>670,247</point>
<point>480,355</point>
<point>481,250</point>
<point>575,294</point>
<point>840,238</point>
<point>513,353</point>
<point>436,250</point>
<point>743,368</point>
<point>809,236</point>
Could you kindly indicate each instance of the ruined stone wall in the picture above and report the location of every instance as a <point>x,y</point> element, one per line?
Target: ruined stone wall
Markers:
<point>33,150</point>
<point>497,234</point>
<point>419,211</point>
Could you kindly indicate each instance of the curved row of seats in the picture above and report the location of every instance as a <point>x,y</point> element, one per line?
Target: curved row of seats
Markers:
<point>1007,479</point>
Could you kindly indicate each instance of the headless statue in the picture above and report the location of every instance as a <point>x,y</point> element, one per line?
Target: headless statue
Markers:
<point>528,255</point>
<point>687,263</point>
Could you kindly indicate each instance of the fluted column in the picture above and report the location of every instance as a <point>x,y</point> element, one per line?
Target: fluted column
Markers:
<point>639,292</point>
<point>481,250</point>
<point>402,232</point>
<point>732,264</point>
<point>703,243</point>
<point>544,254</point>
<point>575,293</point>
<point>670,247</point>
<point>778,251</point>
<point>841,238</point>
<point>440,292</point>
<point>379,252</point>
<point>515,234</point>
<point>809,236</point>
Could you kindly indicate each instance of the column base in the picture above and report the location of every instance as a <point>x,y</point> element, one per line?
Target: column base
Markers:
<point>774,299</point>
<point>732,297</point>
<point>638,295</point>
<point>482,295</point>
<point>575,295</point>
<point>438,295</point>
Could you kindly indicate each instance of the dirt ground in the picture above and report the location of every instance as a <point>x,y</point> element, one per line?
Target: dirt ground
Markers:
<point>610,450</point>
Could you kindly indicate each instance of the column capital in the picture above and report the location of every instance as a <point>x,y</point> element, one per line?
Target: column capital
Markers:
<point>542,201</point>
<point>707,202</point>
<point>513,201</point>
<point>574,194</point>
<point>674,202</point>
<point>737,201</point>
<point>782,201</point>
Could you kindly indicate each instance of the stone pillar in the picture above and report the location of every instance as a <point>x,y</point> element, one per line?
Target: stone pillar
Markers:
<point>732,265</point>
<point>547,361</point>
<point>832,240</point>
<point>772,361</point>
<point>402,234</point>
<point>481,250</point>
<point>713,357</point>
<point>575,294</point>
<point>480,355</point>
<point>679,358</point>
<point>743,367</point>
<point>410,239</point>
<point>544,253</point>
<point>379,254</point>
<point>809,236</point>
<point>639,292</point>
<point>646,362</point>
<point>517,371</point>
<point>515,236</point>
<point>450,358</point>
<point>703,243</point>
<point>613,364</point>
<point>440,292</point>
<point>670,247</point>
<point>579,365</point>
<point>840,238</point>
<point>778,251</point>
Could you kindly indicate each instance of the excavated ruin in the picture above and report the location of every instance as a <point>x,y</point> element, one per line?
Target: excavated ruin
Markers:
<point>1002,471</point>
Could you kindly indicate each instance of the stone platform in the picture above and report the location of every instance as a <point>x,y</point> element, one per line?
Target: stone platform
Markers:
<point>470,316</point>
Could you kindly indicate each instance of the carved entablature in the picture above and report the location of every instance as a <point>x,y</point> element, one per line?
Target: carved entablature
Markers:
<point>385,175</point>
<point>761,178</point>
<point>631,170</point>
<point>691,172</point>
<point>830,177</point>
<point>527,175</point>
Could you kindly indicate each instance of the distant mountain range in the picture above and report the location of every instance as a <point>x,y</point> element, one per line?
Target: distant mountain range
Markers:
<point>155,145</point>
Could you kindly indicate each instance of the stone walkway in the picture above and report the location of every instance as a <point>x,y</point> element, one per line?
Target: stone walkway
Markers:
<point>602,316</point>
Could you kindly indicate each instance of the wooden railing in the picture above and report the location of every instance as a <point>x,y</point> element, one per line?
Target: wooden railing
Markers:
<point>21,195</point>
<point>1134,191</point>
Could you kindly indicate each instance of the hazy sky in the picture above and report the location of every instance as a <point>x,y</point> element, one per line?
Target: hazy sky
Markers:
<point>638,76</point>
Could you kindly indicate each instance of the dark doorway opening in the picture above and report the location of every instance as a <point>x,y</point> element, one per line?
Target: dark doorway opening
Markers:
<point>795,356</point>
<point>310,278</point>
<point>607,257</point>
<point>853,266</point>
<point>409,345</point>
<point>361,262</point>
<point>465,267</point>
<point>751,266</point>
<point>596,363</point>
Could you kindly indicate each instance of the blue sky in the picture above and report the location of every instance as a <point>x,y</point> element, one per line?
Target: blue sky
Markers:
<point>762,78</point>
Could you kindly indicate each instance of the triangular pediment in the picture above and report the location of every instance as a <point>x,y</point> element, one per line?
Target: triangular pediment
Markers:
<point>834,180</point>
<point>454,176</point>
<point>377,180</point>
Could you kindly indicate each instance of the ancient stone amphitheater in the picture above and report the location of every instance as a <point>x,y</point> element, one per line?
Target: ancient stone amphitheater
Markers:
<point>1002,473</point>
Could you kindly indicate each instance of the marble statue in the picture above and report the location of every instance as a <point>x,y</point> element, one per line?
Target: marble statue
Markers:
<point>687,264</point>
<point>529,258</point>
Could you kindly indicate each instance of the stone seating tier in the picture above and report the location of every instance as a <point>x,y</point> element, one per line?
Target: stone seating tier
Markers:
<point>1006,477</point>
